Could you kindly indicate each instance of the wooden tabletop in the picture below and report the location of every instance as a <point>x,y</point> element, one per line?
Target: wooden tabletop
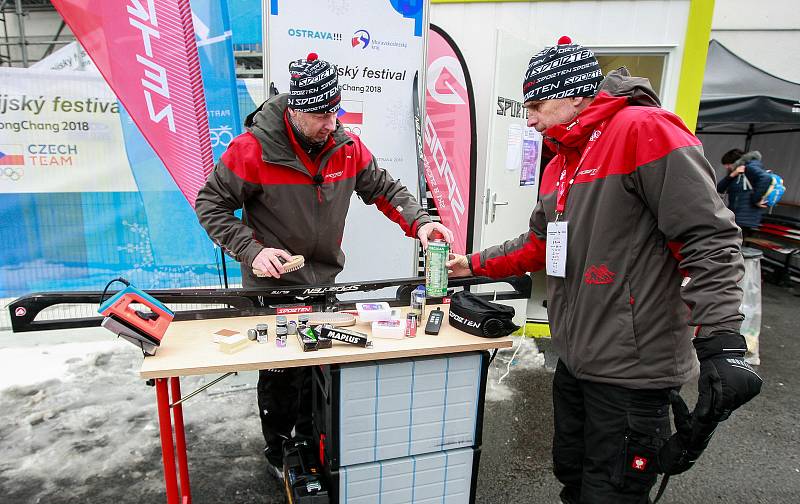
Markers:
<point>188,347</point>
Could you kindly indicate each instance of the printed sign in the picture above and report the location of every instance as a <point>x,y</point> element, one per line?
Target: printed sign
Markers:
<point>57,129</point>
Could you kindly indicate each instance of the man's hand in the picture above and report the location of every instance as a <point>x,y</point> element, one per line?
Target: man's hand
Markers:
<point>727,381</point>
<point>268,261</point>
<point>737,171</point>
<point>425,231</point>
<point>691,438</point>
<point>458,266</point>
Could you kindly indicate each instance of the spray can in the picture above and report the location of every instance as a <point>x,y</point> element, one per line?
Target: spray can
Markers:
<point>436,265</point>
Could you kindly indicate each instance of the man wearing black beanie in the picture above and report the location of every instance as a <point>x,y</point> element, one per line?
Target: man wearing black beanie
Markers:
<point>293,172</point>
<point>643,262</point>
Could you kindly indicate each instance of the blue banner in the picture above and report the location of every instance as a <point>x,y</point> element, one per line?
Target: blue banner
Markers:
<point>246,24</point>
<point>215,47</point>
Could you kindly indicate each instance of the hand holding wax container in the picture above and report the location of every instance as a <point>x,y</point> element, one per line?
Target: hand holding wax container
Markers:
<point>436,265</point>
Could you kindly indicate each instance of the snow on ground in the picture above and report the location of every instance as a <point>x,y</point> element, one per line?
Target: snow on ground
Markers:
<point>73,411</point>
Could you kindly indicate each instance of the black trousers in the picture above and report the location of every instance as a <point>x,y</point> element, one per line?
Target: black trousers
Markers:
<point>606,439</point>
<point>284,403</point>
<point>284,399</point>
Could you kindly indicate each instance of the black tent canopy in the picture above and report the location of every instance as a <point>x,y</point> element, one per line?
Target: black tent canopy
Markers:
<point>743,106</point>
<point>739,97</point>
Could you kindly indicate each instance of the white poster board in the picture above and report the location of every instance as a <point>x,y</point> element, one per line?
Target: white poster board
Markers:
<point>377,50</point>
<point>60,132</point>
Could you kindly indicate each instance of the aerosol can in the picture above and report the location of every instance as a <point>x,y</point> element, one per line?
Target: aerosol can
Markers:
<point>436,266</point>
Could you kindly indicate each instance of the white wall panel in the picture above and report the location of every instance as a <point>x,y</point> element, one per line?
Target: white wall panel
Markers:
<point>767,34</point>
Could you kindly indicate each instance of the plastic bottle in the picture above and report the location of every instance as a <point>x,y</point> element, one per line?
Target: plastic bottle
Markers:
<point>436,265</point>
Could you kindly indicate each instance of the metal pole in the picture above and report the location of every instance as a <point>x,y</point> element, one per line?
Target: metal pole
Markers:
<point>167,447</point>
<point>750,129</point>
<point>224,268</point>
<point>21,24</point>
<point>180,442</point>
<point>53,45</point>
<point>207,385</point>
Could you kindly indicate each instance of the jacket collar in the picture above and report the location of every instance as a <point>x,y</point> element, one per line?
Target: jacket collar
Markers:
<point>267,124</point>
<point>575,134</point>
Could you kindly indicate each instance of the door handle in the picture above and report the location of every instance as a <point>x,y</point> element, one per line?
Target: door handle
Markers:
<point>494,204</point>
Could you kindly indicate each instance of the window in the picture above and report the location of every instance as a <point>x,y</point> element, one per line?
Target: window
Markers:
<point>640,65</point>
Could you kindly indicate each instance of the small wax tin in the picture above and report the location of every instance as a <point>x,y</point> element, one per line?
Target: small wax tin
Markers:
<point>280,336</point>
<point>263,332</point>
<point>252,334</point>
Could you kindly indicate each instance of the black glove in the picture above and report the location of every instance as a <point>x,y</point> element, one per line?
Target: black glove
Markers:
<point>691,437</point>
<point>727,381</point>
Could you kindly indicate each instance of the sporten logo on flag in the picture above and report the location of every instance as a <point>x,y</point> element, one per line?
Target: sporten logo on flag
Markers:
<point>11,155</point>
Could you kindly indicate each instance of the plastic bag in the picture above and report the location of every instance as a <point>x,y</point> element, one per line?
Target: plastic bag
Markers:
<point>751,303</point>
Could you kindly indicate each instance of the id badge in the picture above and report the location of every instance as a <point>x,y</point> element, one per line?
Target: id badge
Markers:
<point>556,253</point>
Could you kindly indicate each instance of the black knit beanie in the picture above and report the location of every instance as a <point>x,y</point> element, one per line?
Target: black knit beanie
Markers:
<point>314,85</point>
<point>562,71</point>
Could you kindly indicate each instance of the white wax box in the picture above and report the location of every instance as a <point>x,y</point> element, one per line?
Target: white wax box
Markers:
<point>370,312</point>
<point>389,329</point>
<point>231,344</point>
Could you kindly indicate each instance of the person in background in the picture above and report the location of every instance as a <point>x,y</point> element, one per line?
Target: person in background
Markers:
<point>643,262</point>
<point>293,173</point>
<point>745,184</point>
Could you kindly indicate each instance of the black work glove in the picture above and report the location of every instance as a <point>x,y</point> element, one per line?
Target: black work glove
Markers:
<point>727,381</point>
<point>691,437</point>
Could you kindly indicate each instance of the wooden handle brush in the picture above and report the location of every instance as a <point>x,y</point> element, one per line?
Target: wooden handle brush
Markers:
<point>293,264</point>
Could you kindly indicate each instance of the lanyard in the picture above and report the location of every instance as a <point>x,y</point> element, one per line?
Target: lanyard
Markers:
<point>563,185</point>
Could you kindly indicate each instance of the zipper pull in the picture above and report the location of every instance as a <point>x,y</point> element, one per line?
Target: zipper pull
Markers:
<point>318,180</point>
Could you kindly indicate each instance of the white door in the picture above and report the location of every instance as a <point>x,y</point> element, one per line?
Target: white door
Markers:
<point>513,152</point>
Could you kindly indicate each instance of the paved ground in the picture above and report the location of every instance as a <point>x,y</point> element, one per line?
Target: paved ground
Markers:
<point>87,433</point>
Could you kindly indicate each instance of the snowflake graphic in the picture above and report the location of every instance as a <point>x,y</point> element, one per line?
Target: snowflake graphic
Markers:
<point>140,248</point>
<point>339,7</point>
<point>400,117</point>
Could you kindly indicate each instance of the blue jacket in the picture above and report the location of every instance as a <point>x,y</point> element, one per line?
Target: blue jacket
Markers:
<point>746,190</point>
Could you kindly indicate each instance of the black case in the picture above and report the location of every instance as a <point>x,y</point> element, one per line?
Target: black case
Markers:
<point>325,407</point>
<point>304,479</point>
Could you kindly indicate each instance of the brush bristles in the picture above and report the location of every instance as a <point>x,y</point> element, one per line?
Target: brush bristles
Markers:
<point>293,264</point>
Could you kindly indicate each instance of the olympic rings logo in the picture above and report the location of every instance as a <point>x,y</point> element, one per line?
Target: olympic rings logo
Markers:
<point>11,173</point>
<point>221,136</point>
<point>353,129</point>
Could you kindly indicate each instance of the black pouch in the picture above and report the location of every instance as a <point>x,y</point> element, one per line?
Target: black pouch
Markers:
<point>474,315</point>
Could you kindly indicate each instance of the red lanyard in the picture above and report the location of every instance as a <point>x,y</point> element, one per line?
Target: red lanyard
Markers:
<point>564,186</point>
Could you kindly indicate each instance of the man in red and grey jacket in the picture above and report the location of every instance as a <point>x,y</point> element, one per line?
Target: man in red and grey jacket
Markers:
<point>643,262</point>
<point>293,173</point>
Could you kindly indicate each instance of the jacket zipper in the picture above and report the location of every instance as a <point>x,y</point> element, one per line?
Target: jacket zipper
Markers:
<point>318,204</point>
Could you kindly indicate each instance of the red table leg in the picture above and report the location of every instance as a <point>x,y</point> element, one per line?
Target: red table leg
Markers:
<point>180,440</point>
<point>167,450</point>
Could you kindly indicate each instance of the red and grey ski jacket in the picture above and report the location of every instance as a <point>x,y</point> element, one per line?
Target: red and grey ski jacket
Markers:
<point>292,202</point>
<point>651,248</point>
